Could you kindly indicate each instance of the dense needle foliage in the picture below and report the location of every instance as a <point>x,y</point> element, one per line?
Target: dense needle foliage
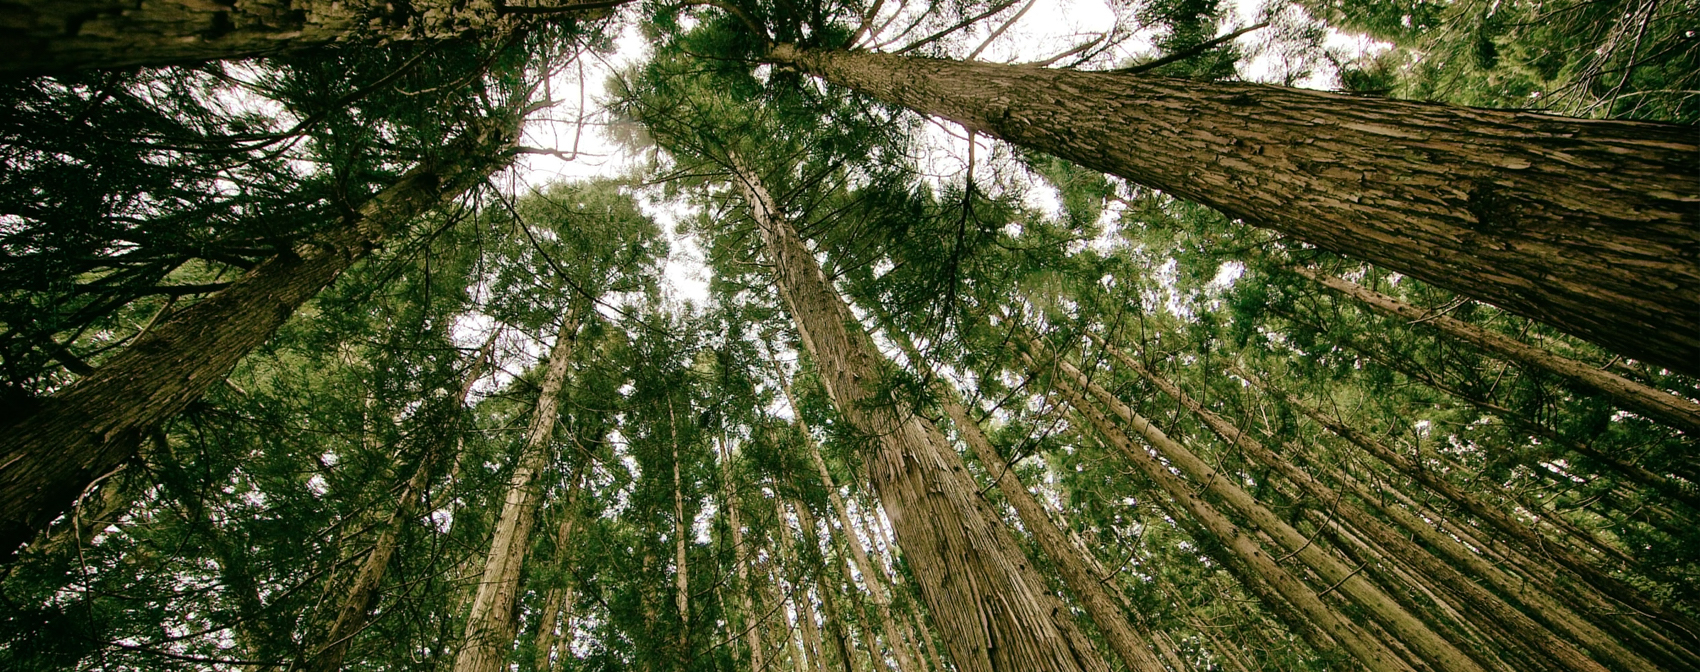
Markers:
<point>702,505</point>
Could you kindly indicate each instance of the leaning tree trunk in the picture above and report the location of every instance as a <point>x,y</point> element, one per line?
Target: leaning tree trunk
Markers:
<point>993,608</point>
<point>828,589</point>
<point>740,558</point>
<point>50,453</point>
<point>1134,648</point>
<point>558,602</point>
<point>48,36</point>
<point>1657,405</point>
<point>490,622</point>
<point>1627,606</point>
<point>1590,226</point>
<point>1428,569</point>
<point>1405,626</point>
<point>357,605</point>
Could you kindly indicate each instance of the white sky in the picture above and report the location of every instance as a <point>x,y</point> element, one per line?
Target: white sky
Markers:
<point>1050,27</point>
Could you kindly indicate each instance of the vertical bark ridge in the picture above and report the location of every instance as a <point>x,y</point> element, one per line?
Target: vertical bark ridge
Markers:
<point>983,593</point>
<point>1590,226</point>
<point>491,620</point>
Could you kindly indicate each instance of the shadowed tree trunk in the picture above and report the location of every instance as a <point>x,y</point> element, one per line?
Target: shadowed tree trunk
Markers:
<point>1657,405</point>
<point>991,606</point>
<point>50,453</point>
<point>357,605</point>
<point>1590,226</point>
<point>46,36</point>
<point>1134,648</point>
<point>740,559</point>
<point>837,637</point>
<point>558,602</point>
<point>1627,606</point>
<point>1429,569</point>
<point>490,622</point>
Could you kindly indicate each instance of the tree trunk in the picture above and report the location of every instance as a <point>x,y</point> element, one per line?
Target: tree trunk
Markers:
<point>800,602</point>
<point>681,544</point>
<point>357,605</point>
<point>1657,405</point>
<point>1134,648</point>
<point>50,453</point>
<point>740,559</point>
<point>994,611</point>
<point>1324,628</point>
<point>490,623</point>
<point>1409,630</point>
<point>47,36</point>
<point>1429,568</point>
<point>1608,589</point>
<point>558,602</point>
<point>1590,226</point>
<point>839,640</point>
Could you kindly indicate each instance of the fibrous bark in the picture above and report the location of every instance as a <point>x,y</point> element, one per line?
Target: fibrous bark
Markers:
<point>49,454</point>
<point>491,621</point>
<point>991,606</point>
<point>1657,405</point>
<point>46,36</point>
<point>1590,226</point>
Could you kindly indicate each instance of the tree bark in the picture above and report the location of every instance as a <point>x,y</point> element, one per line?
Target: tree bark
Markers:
<point>1428,567</point>
<point>1657,405</point>
<point>740,559</point>
<point>558,601</point>
<point>50,453</point>
<point>800,603</point>
<point>681,544</point>
<point>994,613</point>
<point>1409,630</point>
<point>841,644</point>
<point>1322,626</point>
<point>48,36</point>
<point>1134,648</point>
<point>357,605</point>
<point>1590,226</point>
<point>1626,601</point>
<point>490,623</point>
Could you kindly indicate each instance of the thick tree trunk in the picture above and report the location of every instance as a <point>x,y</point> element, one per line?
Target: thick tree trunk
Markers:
<point>1134,648</point>
<point>1657,405</point>
<point>1624,600</point>
<point>1590,226</point>
<point>46,36</point>
<point>357,605</point>
<point>1409,629</point>
<point>1428,568</point>
<point>490,623</point>
<point>50,453</point>
<point>994,612</point>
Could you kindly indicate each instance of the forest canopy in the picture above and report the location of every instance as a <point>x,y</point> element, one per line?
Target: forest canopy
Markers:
<point>859,336</point>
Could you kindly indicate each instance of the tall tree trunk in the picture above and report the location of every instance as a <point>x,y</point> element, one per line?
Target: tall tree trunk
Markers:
<point>1318,623</point>
<point>1657,405</point>
<point>1409,630</point>
<point>1430,568</point>
<point>681,544</point>
<point>800,602</point>
<point>50,453</point>
<point>875,579</point>
<point>1607,589</point>
<point>1134,648</point>
<point>490,623</point>
<point>991,605</point>
<point>740,559</point>
<point>558,601</point>
<point>840,641</point>
<point>362,595</point>
<point>47,36</point>
<point>1589,226</point>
